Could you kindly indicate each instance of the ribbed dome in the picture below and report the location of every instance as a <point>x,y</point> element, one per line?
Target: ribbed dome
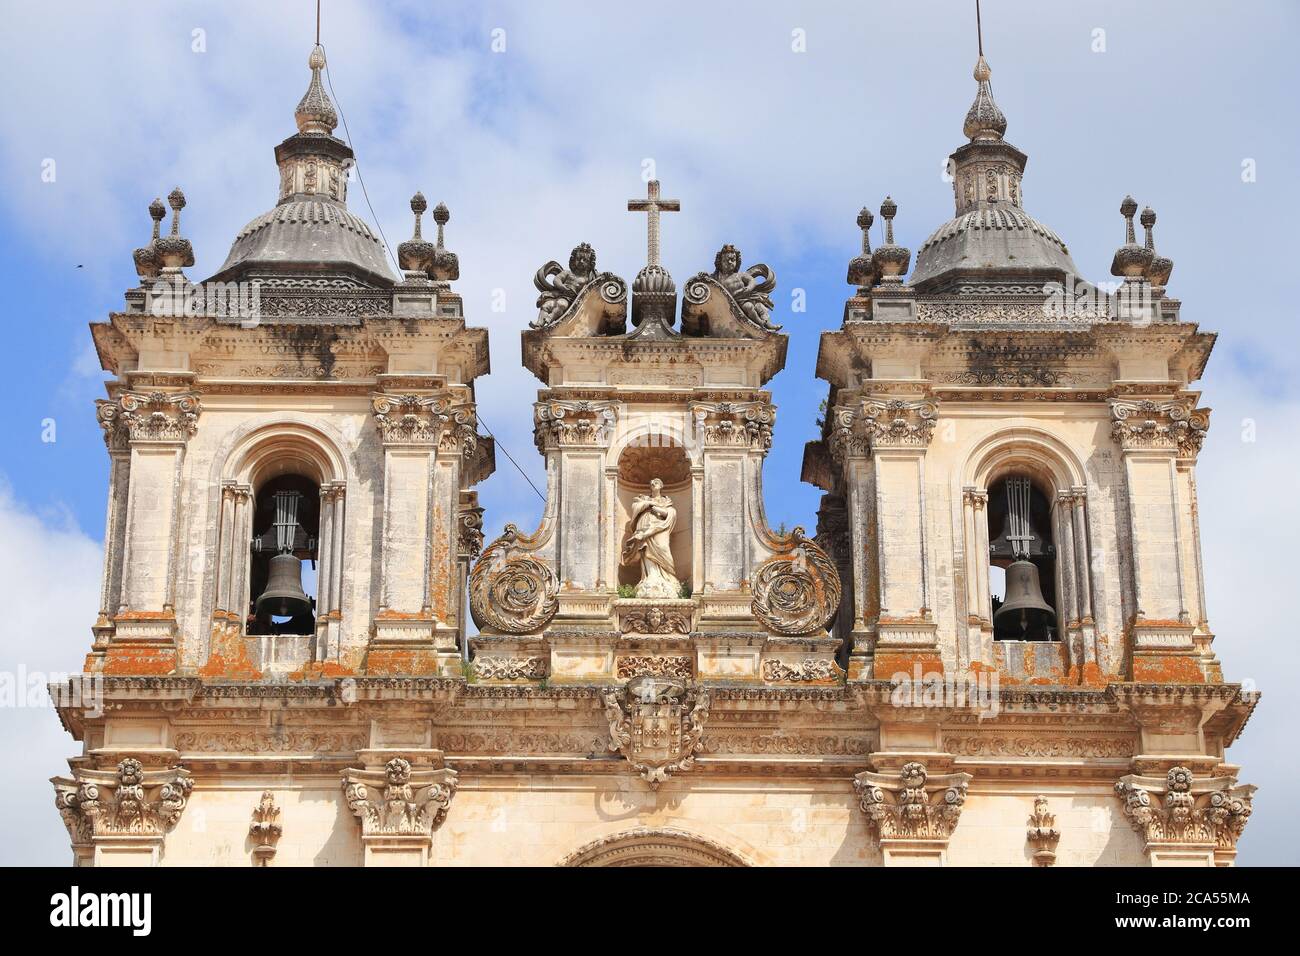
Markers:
<point>997,242</point>
<point>311,235</point>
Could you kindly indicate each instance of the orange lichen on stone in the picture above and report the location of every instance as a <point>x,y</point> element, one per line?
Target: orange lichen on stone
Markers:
<point>387,615</point>
<point>321,670</point>
<point>228,659</point>
<point>1170,669</point>
<point>924,664</point>
<point>166,615</point>
<point>391,662</point>
<point>139,660</point>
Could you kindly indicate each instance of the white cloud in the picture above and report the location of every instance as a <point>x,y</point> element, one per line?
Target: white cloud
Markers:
<point>49,589</point>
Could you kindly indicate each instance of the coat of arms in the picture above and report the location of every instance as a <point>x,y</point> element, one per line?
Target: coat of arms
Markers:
<point>657,725</point>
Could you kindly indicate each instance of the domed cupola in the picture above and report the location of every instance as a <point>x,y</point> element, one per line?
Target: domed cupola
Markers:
<point>991,239</point>
<point>310,233</point>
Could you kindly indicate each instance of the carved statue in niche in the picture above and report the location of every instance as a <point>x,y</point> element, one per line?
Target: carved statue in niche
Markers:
<point>653,517</point>
<point>559,286</point>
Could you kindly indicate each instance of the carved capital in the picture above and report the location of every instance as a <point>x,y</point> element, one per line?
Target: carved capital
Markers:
<point>732,424</point>
<point>895,423</point>
<point>912,804</point>
<point>170,417</point>
<point>469,531</point>
<point>558,423</point>
<point>128,801</point>
<point>657,724</point>
<point>1147,424</point>
<point>399,800</point>
<point>1180,809</point>
<point>428,420</point>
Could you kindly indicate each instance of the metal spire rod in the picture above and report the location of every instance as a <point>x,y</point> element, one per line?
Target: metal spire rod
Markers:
<point>979,30</point>
<point>318,20</point>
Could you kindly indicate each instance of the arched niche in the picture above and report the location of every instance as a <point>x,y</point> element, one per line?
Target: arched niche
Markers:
<point>643,459</point>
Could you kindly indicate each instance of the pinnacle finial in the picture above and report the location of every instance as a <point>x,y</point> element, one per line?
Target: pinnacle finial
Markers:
<point>315,113</point>
<point>984,121</point>
<point>1160,267</point>
<point>174,251</point>
<point>890,261</point>
<point>1131,260</point>
<point>861,272</point>
<point>865,219</point>
<point>147,261</point>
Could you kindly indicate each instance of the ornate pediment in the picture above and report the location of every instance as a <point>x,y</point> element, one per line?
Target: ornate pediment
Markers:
<point>128,801</point>
<point>657,724</point>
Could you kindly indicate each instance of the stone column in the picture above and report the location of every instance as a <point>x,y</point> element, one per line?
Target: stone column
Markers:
<point>157,427</point>
<point>979,623</point>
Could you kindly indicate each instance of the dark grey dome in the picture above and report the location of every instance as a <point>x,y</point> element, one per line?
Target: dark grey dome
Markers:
<point>311,236</point>
<point>994,242</point>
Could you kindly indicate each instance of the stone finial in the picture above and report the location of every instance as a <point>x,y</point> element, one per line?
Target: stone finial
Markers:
<point>415,255</point>
<point>265,829</point>
<point>1131,260</point>
<point>1042,834</point>
<point>147,261</point>
<point>446,266</point>
<point>861,272</point>
<point>174,251</point>
<point>1160,267</point>
<point>890,261</point>
<point>315,114</point>
<point>984,121</point>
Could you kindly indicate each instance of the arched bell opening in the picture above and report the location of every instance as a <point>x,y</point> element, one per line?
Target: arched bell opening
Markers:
<point>1022,561</point>
<point>283,554</point>
<point>649,468</point>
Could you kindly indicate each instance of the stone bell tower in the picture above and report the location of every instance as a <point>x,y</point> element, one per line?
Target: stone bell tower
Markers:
<point>1009,461</point>
<point>654,556</point>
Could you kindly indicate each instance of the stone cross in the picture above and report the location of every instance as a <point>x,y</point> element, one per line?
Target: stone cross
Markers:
<point>652,205</point>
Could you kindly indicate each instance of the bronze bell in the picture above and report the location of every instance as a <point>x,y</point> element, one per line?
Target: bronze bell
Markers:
<point>284,596</point>
<point>1024,600</point>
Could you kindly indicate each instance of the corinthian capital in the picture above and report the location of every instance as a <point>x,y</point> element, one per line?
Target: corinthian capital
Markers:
<point>399,800</point>
<point>1180,809</point>
<point>127,801</point>
<point>148,417</point>
<point>911,804</point>
<point>1177,424</point>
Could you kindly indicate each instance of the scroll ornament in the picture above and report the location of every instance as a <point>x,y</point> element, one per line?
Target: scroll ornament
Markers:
<point>796,591</point>
<point>127,801</point>
<point>510,591</point>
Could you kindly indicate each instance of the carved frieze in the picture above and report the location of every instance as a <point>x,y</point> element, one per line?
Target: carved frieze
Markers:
<point>656,619</point>
<point>797,590</point>
<point>510,591</point>
<point>510,668</point>
<point>128,801</point>
<point>399,800</point>
<point>1183,810</point>
<point>677,668</point>
<point>1174,424</point>
<point>912,804</point>
<point>812,670</point>
<point>657,724</point>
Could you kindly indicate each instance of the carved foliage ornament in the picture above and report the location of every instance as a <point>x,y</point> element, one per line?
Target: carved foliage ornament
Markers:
<point>746,424</point>
<point>912,804</point>
<point>557,423</point>
<point>425,420</point>
<point>655,620</point>
<point>265,829</point>
<point>510,668</point>
<point>657,725</point>
<point>1042,834</point>
<point>1180,809</point>
<point>149,416</point>
<point>796,591</point>
<point>510,591</point>
<point>399,801</point>
<point>1149,424</point>
<point>127,801</point>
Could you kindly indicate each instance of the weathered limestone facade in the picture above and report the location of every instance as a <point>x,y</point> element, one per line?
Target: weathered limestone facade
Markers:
<point>658,677</point>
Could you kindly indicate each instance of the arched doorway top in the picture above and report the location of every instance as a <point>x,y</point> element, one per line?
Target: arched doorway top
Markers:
<point>659,846</point>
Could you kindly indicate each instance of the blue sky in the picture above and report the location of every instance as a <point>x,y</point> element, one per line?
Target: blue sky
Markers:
<point>538,147</point>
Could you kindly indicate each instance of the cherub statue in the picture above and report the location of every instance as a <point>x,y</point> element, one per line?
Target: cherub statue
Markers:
<point>559,286</point>
<point>653,517</point>
<point>749,288</point>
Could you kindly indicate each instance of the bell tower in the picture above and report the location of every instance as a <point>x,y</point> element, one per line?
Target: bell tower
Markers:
<point>1009,463</point>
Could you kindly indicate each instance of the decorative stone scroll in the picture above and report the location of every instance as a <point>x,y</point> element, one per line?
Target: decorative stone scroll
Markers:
<point>128,801</point>
<point>399,801</point>
<point>563,290</point>
<point>675,668</point>
<point>657,725</point>
<point>796,591</point>
<point>912,805</point>
<point>510,591</point>
<point>813,670</point>
<point>510,668</point>
<point>150,416</point>
<point>1150,424</point>
<point>743,424</point>
<point>1185,812</point>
